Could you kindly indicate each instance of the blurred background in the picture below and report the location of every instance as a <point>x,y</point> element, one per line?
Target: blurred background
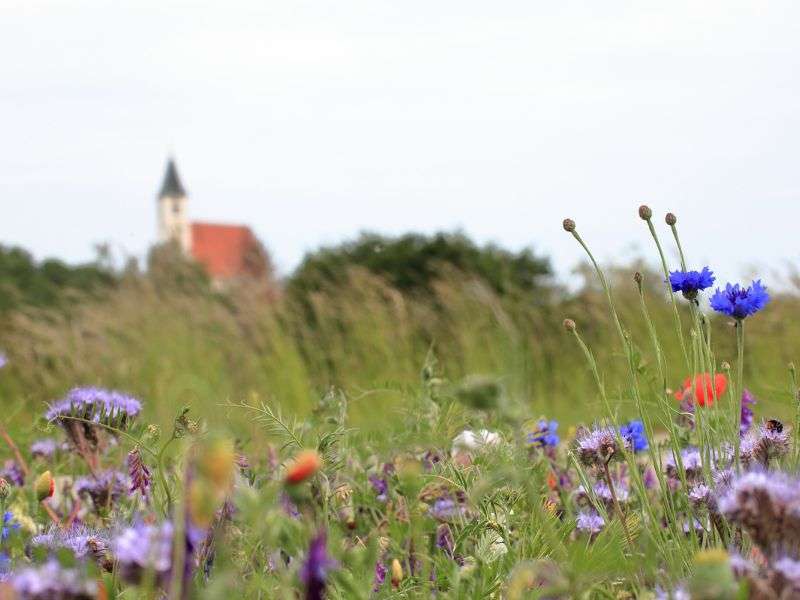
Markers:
<point>205,202</point>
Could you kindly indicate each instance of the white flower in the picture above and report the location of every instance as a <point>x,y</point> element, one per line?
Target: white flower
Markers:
<point>468,440</point>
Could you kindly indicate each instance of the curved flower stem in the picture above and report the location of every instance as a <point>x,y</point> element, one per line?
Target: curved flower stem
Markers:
<point>10,443</point>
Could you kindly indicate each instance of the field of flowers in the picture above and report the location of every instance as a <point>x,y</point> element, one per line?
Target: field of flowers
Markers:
<point>458,492</point>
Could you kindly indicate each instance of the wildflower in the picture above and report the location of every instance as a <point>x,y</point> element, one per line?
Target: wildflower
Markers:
<point>3,359</point>
<point>569,225</point>
<point>380,576</point>
<point>314,570</point>
<point>304,465</point>
<point>44,448</point>
<point>634,435</point>
<point>699,495</point>
<point>104,489</point>
<point>703,388</point>
<point>772,442</point>
<point>689,283</point>
<point>51,580</point>
<point>670,219</point>
<point>380,486</point>
<point>467,441</point>
<point>9,525</point>
<point>80,540</point>
<point>645,212</point>
<point>44,486</point>
<point>12,473</point>
<point>545,434</point>
<point>142,548</point>
<point>447,509</point>
<point>764,505</point>
<point>598,447</point>
<point>589,522</point>
<point>746,418</point>
<point>138,473</point>
<point>740,302</point>
<point>444,539</point>
<point>288,506</point>
<point>692,465</point>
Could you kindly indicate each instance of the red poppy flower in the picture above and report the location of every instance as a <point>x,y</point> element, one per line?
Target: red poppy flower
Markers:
<point>303,466</point>
<point>703,388</point>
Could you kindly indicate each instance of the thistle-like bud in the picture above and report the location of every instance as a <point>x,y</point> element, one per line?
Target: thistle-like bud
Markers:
<point>671,219</point>
<point>397,572</point>
<point>44,486</point>
<point>5,489</point>
<point>645,212</point>
<point>725,366</point>
<point>569,225</point>
<point>569,325</point>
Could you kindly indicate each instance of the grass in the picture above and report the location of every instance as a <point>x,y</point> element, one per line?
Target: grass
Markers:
<point>380,383</point>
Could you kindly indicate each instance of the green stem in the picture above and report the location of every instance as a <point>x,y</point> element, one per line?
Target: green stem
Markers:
<point>737,398</point>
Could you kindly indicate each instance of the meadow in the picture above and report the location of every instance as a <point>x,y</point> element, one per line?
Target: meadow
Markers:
<point>368,442</point>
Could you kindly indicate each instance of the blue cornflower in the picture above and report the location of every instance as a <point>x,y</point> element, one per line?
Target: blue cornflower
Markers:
<point>634,434</point>
<point>545,434</point>
<point>739,302</point>
<point>691,282</point>
<point>9,524</point>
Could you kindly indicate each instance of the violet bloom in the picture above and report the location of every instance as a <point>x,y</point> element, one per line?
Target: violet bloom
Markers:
<point>692,465</point>
<point>769,442</point>
<point>12,473</point>
<point>50,581</point>
<point>104,489</point>
<point>314,571</point>
<point>589,522</point>
<point>105,408</point>
<point>746,419</point>
<point>599,446</point>
<point>44,448</point>
<point>544,435</point>
<point>144,548</point>
<point>380,576</point>
<point>82,541</point>
<point>139,473</point>
<point>380,486</point>
<point>446,509</point>
<point>689,283</point>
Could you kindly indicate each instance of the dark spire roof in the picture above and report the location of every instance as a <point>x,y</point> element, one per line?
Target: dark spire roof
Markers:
<point>172,185</point>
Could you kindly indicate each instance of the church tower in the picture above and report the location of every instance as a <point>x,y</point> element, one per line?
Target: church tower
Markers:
<point>173,219</point>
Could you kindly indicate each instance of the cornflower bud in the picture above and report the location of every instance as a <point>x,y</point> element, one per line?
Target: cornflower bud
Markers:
<point>5,489</point>
<point>645,212</point>
<point>569,325</point>
<point>671,219</point>
<point>569,225</point>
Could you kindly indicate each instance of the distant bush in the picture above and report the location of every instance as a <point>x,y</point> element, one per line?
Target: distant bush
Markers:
<point>49,283</point>
<point>413,262</point>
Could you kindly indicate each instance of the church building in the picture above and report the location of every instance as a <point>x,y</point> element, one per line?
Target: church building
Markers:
<point>227,252</point>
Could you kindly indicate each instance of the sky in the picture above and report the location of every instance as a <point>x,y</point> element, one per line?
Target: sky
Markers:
<point>313,120</point>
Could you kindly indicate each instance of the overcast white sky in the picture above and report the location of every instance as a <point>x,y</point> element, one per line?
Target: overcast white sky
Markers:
<point>312,120</point>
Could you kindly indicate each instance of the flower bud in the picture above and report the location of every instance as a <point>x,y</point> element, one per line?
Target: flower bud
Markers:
<point>397,572</point>
<point>303,466</point>
<point>569,225</point>
<point>5,489</point>
<point>645,212</point>
<point>725,366</point>
<point>569,325</point>
<point>671,219</point>
<point>44,486</point>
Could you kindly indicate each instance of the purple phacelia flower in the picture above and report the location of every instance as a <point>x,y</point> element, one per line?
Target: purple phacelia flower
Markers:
<point>746,419</point>
<point>740,302</point>
<point>138,473</point>
<point>599,446</point>
<point>544,435</point>
<point>82,541</point>
<point>692,464</point>
<point>12,473</point>
<point>380,486</point>
<point>44,448</point>
<point>699,495</point>
<point>769,442</point>
<point>447,509</point>
<point>589,522</point>
<point>104,489</point>
<point>314,570</point>
<point>764,504</point>
<point>689,283</point>
<point>51,580</point>
<point>144,548</point>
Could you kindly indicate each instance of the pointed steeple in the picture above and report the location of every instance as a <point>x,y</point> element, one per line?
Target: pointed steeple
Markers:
<point>172,186</point>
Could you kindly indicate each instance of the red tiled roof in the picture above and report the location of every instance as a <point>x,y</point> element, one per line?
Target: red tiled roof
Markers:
<point>222,249</point>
